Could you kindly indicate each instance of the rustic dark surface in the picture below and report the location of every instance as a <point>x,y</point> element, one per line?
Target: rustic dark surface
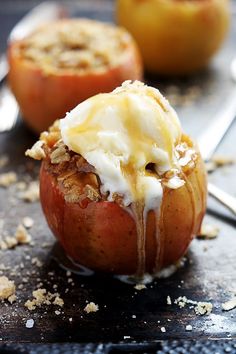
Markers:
<point>208,275</point>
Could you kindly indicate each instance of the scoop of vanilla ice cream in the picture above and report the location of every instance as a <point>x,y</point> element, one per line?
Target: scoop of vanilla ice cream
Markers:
<point>120,133</point>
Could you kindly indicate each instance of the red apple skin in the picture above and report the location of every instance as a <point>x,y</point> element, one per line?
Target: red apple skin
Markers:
<point>102,235</point>
<point>176,37</point>
<point>44,97</point>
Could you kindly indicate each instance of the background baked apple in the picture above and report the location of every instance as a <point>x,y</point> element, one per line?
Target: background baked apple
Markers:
<point>122,200</point>
<point>64,62</point>
<point>175,36</point>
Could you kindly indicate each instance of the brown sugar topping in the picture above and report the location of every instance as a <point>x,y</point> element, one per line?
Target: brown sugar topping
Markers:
<point>76,45</point>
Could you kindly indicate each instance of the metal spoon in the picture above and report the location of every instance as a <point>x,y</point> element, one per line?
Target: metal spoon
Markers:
<point>211,138</point>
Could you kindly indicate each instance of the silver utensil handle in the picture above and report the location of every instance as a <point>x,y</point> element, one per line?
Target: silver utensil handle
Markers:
<point>210,139</point>
<point>44,12</point>
<point>3,67</point>
<point>224,198</point>
<point>8,109</point>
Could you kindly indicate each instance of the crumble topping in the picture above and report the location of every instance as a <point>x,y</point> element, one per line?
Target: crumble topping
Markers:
<point>31,194</point>
<point>7,179</point>
<point>36,152</point>
<point>42,297</point>
<point>7,288</point>
<point>59,153</point>
<point>91,307</point>
<point>203,308</point>
<point>21,235</point>
<point>79,45</point>
<point>200,308</point>
<point>78,178</point>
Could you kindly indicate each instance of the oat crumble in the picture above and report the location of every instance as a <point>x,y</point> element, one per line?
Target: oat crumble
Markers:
<point>76,45</point>
<point>203,308</point>
<point>21,235</point>
<point>7,288</point>
<point>91,307</point>
<point>42,297</point>
<point>200,308</point>
<point>7,179</point>
<point>31,194</point>
<point>36,152</point>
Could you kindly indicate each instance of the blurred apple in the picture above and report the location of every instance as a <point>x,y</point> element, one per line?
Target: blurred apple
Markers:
<point>176,37</point>
<point>45,91</point>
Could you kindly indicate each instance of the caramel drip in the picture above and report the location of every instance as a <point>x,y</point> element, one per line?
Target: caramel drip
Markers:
<point>140,143</point>
<point>138,214</point>
<point>159,242</point>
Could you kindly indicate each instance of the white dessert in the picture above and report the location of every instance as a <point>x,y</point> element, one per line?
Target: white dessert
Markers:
<point>121,133</point>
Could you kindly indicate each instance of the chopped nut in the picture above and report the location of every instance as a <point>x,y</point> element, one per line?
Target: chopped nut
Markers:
<point>168,300</point>
<point>229,305</point>
<point>208,231</point>
<point>163,330</point>
<point>6,179</point>
<point>91,307</point>
<point>36,152</point>
<point>7,288</point>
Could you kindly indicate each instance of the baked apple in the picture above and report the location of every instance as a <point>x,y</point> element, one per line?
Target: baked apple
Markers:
<point>122,188</point>
<point>65,62</point>
<point>175,36</point>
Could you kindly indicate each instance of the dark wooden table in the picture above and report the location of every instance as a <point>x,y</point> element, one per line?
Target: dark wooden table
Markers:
<point>125,314</point>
